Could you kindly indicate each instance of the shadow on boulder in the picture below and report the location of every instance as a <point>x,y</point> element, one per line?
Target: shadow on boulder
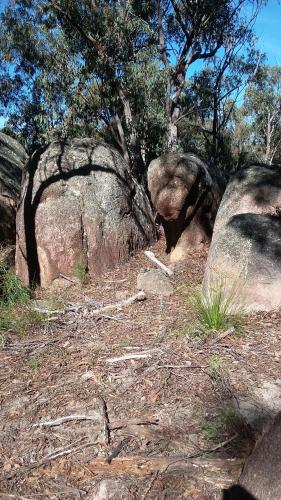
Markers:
<point>79,199</point>
<point>186,194</point>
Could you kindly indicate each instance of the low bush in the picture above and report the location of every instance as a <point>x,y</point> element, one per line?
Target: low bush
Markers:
<point>16,312</point>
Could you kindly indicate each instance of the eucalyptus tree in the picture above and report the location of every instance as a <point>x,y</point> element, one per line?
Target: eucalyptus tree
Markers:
<point>262,108</point>
<point>113,68</point>
<point>193,30</point>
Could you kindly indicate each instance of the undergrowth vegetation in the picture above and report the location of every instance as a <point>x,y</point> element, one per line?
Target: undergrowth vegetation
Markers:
<point>16,312</point>
<point>227,423</point>
<point>216,311</point>
<point>13,291</point>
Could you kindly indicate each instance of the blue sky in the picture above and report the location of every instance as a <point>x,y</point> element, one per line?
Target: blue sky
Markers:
<point>267,28</point>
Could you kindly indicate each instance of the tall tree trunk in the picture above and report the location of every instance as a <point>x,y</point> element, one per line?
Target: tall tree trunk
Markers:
<point>134,146</point>
<point>122,138</point>
<point>173,117</point>
<point>215,128</point>
<point>172,135</point>
<point>268,139</point>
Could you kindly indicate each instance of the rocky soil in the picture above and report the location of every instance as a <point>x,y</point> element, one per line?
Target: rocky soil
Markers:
<point>129,402</point>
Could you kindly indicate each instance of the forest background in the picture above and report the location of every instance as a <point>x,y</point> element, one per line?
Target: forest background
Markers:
<point>147,77</point>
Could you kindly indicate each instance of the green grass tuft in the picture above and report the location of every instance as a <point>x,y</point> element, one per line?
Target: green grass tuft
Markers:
<point>215,365</point>
<point>216,312</point>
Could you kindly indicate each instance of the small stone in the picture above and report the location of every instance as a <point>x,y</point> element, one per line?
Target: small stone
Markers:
<point>121,294</point>
<point>109,489</point>
<point>59,284</point>
<point>155,282</point>
<point>88,375</point>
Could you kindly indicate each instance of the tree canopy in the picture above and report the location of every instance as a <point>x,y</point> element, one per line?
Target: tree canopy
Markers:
<point>121,71</point>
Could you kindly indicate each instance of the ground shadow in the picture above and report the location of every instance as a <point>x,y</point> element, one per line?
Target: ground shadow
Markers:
<point>237,492</point>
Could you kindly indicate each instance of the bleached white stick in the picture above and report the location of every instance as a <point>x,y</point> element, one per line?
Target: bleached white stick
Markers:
<point>154,259</point>
<point>118,305</point>
<point>127,356</point>
<point>62,420</point>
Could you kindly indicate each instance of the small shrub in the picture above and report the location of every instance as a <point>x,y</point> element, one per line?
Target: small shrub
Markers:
<point>232,419</point>
<point>13,290</point>
<point>219,376</point>
<point>227,423</point>
<point>215,365</point>
<point>81,270</point>
<point>16,313</point>
<point>18,319</point>
<point>212,429</point>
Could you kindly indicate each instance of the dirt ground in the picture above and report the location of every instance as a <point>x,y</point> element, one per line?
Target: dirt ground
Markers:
<point>161,423</point>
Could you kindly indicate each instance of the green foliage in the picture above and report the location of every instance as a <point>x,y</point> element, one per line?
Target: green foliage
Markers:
<point>18,319</point>
<point>35,362</point>
<point>215,365</point>
<point>262,113</point>
<point>216,311</point>
<point>227,422</point>
<point>16,313</point>
<point>118,71</point>
<point>13,291</point>
<point>212,429</point>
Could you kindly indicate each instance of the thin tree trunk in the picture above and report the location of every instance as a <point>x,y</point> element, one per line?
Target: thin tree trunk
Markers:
<point>135,151</point>
<point>122,138</point>
<point>172,136</point>
<point>173,128</point>
<point>215,128</point>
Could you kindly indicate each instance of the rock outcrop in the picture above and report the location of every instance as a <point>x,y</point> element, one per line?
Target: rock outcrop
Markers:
<point>245,253</point>
<point>155,282</point>
<point>186,196</point>
<point>12,160</point>
<point>261,476</point>
<point>80,206</point>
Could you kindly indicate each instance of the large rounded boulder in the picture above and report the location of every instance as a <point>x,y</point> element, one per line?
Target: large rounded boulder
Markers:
<point>80,207</point>
<point>186,195</point>
<point>261,476</point>
<point>244,261</point>
<point>12,160</point>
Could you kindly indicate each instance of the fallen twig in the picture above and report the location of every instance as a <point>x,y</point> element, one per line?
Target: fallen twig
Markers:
<point>35,344</point>
<point>148,489</point>
<point>222,336</point>
<point>129,356</point>
<point>221,445</point>
<point>215,471</point>
<point>62,420</point>
<point>100,416</point>
<point>118,305</point>
<point>60,452</point>
<point>111,317</point>
<point>116,281</point>
<point>115,425</point>
<point>180,366</point>
<point>154,259</point>
<point>67,278</point>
